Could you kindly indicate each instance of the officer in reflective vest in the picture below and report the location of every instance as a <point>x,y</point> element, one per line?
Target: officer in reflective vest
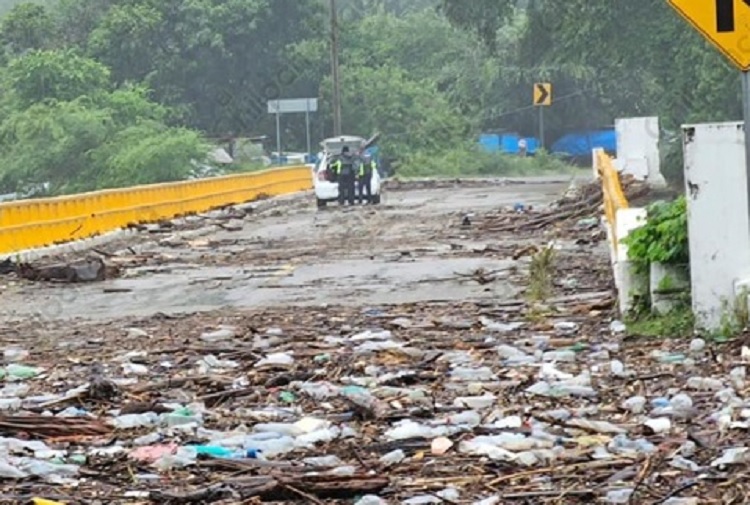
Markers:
<point>364,179</point>
<point>344,168</point>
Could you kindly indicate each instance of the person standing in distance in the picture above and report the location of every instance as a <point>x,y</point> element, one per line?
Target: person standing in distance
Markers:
<point>344,168</point>
<point>364,178</point>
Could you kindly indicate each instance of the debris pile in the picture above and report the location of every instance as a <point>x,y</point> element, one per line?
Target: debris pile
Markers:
<point>407,404</point>
<point>580,207</point>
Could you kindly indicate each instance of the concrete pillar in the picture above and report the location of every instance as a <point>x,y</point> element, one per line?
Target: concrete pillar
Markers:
<point>638,149</point>
<point>628,282</point>
<point>717,202</point>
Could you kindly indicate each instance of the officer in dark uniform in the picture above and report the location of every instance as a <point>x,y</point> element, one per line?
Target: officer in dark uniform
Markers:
<point>364,178</point>
<point>344,168</point>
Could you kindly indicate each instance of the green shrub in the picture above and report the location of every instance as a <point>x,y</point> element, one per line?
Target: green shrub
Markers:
<point>664,236</point>
<point>467,161</point>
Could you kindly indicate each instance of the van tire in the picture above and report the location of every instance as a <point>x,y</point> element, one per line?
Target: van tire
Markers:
<point>321,204</point>
<point>376,199</point>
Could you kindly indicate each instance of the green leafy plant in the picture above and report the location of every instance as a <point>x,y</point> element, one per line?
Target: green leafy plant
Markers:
<point>664,236</point>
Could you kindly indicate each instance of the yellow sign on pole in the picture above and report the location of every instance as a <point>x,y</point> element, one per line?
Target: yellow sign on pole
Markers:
<point>543,93</point>
<point>725,23</point>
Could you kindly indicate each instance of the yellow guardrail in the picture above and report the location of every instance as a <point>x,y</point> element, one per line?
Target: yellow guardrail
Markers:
<point>29,224</point>
<point>613,195</point>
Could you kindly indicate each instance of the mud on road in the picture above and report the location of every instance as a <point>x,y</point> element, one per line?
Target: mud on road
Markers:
<point>278,354</point>
<point>410,248</point>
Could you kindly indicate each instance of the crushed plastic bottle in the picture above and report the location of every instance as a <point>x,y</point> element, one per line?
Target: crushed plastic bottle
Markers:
<point>658,425</point>
<point>619,496</point>
<point>371,499</point>
<point>697,345</point>
<point>323,461</point>
<point>222,334</point>
<point>472,374</point>
<point>130,421</point>
<point>617,368</point>
<point>669,358</point>
<point>276,358</point>
<point>468,417</point>
<point>685,464</point>
<point>20,372</point>
<point>564,356</point>
<point>621,444</point>
<point>737,376</point>
<point>566,329</point>
<point>510,352</point>
<point>15,354</point>
<point>476,402</point>
<point>222,452</point>
<point>704,383</point>
<point>10,404</point>
<point>409,429</point>
<point>393,458</point>
<point>635,404</point>
<point>500,327</point>
<point>617,327</point>
<point>674,500</point>
<point>185,456</point>
<point>561,390</point>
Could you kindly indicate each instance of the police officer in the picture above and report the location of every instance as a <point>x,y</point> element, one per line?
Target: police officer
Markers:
<point>344,168</point>
<point>364,178</point>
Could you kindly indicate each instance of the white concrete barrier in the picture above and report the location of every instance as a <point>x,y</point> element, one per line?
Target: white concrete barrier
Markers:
<point>638,149</point>
<point>718,223</point>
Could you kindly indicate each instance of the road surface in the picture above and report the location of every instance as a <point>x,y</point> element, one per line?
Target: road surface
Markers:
<point>432,346</point>
<point>411,248</point>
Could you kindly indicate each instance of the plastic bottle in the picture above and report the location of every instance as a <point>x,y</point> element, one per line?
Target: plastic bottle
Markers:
<point>129,421</point>
<point>473,374</point>
<point>10,403</point>
<point>508,351</point>
<point>617,368</point>
<point>468,417</point>
<point>635,404</point>
<point>697,345</point>
<point>393,457</point>
<point>184,456</point>
<point>565,356</point>
<point>21,371</point>
<point>323,461</point>
<point>618,496</point>
<point>737,376</point>
<point>46,469</point>
<point>565,329</point>
<point>371,499</point>
<point>222,452</point>
<point>704,383</point>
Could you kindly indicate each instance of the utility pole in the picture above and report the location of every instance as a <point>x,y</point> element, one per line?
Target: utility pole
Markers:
<point>335,71</point>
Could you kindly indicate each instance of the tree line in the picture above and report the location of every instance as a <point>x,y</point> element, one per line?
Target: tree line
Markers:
<point>105,93</point>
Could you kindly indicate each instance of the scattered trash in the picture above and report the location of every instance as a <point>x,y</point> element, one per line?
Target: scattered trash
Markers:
<point>501,401</point>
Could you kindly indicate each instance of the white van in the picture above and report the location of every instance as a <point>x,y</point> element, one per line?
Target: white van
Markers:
<point>326,190</point>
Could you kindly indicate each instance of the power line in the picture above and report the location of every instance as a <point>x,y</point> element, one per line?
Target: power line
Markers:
<point>529,107</point>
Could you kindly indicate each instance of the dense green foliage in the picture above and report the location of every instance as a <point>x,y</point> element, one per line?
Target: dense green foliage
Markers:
<point>664,236</point>
<point>610,59</point>
<point>105,92</point>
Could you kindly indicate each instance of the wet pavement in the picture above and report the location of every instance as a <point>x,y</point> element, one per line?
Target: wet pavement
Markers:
<point>442,348</point>
<point>410,248</point>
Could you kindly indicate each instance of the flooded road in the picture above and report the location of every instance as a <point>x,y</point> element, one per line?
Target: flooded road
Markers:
<point>413,247</point>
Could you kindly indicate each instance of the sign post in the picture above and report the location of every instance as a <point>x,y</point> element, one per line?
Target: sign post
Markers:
<point>726,24</point>
<point>542,99</point>
<point>307,125</point>
<point>290,106</point>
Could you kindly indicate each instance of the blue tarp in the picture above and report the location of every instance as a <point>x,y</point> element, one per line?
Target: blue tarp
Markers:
<point>581,143</point>
<point>506,143</point>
